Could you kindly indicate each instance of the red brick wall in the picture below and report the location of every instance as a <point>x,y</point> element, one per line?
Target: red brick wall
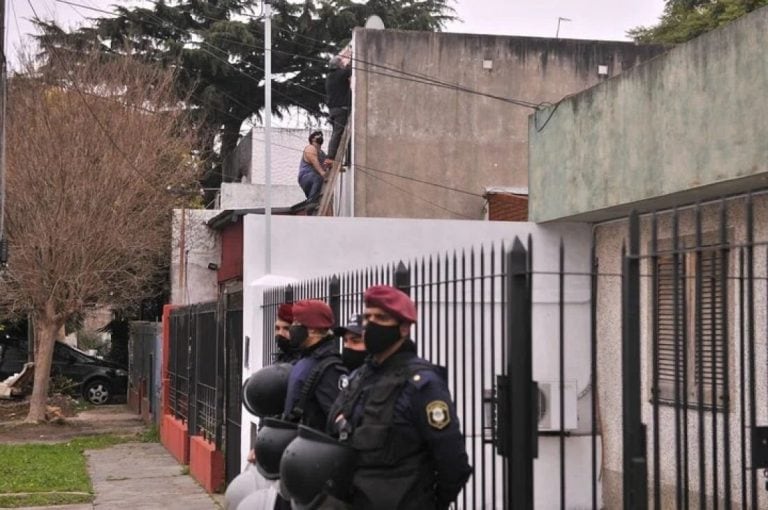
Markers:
<point>231,266</point>
<point>506,207</point>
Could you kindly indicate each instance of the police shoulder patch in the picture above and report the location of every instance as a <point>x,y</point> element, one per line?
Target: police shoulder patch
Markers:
<point>344,382</point>
<point>438,415</point>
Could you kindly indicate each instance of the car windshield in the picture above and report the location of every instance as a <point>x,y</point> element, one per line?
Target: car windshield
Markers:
<point>67,351</point>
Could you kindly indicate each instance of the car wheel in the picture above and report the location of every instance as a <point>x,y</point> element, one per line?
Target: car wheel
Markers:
<point>97,392</point>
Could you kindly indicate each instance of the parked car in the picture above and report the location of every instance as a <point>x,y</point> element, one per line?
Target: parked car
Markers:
<point>98,381</point>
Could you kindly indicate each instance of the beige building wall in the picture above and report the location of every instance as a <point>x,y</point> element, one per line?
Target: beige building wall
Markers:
<point>457,139</point>
<point>609,240</point>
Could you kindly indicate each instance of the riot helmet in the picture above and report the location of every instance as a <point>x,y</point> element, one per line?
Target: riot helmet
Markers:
<point>271,442</point>
<point>314,467</point>
<point>264,391</point>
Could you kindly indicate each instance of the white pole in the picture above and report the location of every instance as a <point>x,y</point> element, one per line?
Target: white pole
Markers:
<point>268,136</point>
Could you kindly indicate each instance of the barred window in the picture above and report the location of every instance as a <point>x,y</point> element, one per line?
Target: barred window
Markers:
<point>690,324</point>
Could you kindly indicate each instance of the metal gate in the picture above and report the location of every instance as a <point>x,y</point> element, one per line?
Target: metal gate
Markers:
<point>233,334</point>
<point>678,353</point>
<point>462,308</point>
<point>143,385</point>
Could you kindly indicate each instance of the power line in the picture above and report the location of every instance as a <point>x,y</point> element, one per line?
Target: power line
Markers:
<point>407,76</point>
<point>377,170</point>
<point>299,104</point>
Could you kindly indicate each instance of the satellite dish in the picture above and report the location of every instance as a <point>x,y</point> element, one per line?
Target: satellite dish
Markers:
<point>374,23</point>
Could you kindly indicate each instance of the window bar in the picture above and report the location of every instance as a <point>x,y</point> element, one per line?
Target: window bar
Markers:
<point>593,365</point>
<point>713,293</point>
<point>742,377</point>
<point>699,381</point>
<point>455,352</point>
<point>685,350</point>
<point>561,365</point>
<point>677,319</point>
<point>726,357</point>
<point>751,341</point>
<point>655,360</point>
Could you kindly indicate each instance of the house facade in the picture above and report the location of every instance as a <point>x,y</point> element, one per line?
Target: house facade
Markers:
<point>682,141</point>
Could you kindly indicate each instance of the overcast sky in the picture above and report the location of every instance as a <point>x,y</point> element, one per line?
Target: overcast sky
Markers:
<point>590,19</point>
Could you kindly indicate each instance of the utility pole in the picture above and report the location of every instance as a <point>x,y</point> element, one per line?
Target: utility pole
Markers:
<point>267,136</point>
<point>3,95</point>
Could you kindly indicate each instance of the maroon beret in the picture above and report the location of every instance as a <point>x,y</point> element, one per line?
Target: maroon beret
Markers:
<point>313,314</point>
<point>393,301</point>
<point>285,312</point>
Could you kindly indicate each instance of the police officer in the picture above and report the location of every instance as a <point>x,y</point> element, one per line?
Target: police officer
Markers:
<point>286,353</point>
<point>353,352</point>
<point>314,381</point>
<point>397,413</point>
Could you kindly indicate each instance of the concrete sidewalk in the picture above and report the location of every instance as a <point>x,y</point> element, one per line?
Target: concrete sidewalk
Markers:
<point>141,476</point>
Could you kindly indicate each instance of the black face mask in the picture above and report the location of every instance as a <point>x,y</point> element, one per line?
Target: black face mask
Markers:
<point>299,335</point>
<point>353,359</point>
<point>319,140</point>
<point>284,344</point>
<point>379,338</point>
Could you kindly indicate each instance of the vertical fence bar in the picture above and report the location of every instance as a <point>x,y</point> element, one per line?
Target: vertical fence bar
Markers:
<point>483,373</point>
<point>473,351</point>
<point>742,380</point>
<point>519,371</point>
<point>725,343</point>
<point>713,325</point>
<point>463,304</point>
<point>593,365</point>
<point>635,463</point>
<point>655,394</point>
<point>494,366</point>
<point>561,365</point>
<point>699,379</point>
<point>751,343</point>
<point>685,383</point>
<point>334,300</point>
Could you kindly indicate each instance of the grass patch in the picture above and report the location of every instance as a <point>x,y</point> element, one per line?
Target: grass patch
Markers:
<point>151,435</point>
<point>43,474</point>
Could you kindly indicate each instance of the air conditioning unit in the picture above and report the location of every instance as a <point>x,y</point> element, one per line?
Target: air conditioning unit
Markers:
<point>549,405</point>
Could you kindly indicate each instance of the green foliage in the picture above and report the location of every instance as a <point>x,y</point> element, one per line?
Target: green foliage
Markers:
<point>684,20</point>
<point>151,435</point>
<point>220,55</point>
<point>48,474</point>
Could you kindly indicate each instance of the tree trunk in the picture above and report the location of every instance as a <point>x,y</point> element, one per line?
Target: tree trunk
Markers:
<point>46,328</point>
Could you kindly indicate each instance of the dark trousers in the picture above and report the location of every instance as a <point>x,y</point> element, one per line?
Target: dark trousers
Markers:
<point>338,118</point>
<point>312,184</point>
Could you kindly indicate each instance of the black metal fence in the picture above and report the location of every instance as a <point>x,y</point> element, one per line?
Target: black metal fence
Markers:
<point>143,355</point>
<point>461,302</point>
<point>695,295</point>
<point>196,370</point>
<point>636,380</point>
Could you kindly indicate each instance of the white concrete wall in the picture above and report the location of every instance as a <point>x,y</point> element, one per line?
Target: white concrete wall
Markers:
<point>193,247</point>
<point>287,147</point>
<point>236,195</point>
<point>306,247</point>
